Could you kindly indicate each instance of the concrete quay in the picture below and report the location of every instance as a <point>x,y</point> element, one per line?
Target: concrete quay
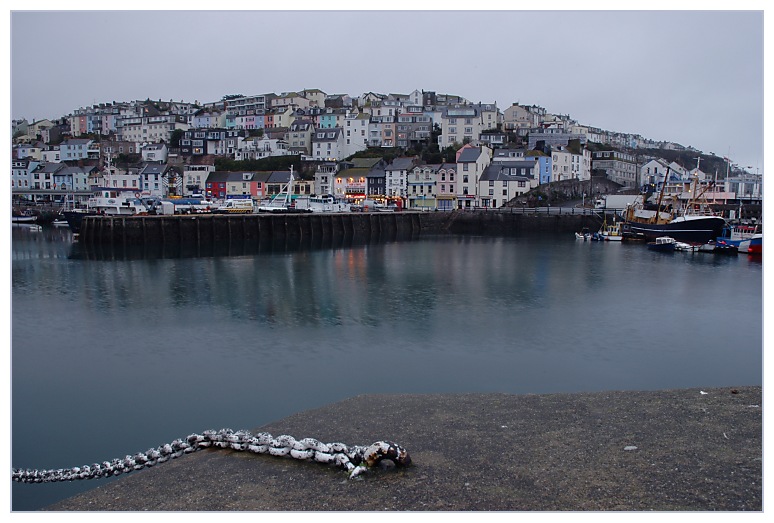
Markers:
<point>200,233</point>
<point>670,450</point>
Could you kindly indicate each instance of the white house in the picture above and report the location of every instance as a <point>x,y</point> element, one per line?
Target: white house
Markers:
<point>328,144</point>
<point>471,162</point>
<point>653,172</point>
<point>396,176</point>
<point>566,165</point>
<point>255,148</point>
<point>504,180</point>
<point>155,152</point>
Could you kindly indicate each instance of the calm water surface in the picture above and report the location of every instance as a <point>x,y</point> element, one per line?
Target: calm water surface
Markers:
<point>114,356</point>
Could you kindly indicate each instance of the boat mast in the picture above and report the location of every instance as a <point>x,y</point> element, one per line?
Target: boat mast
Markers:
<point>657,217</point>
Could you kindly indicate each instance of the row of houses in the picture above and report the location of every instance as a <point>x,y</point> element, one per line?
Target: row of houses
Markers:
<point>480,177</point>
<point>296,119</point>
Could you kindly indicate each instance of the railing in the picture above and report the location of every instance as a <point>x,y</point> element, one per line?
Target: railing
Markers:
<point>579,211</point>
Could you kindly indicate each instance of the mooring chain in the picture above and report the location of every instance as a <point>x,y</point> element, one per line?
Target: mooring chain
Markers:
<point>354,459</point>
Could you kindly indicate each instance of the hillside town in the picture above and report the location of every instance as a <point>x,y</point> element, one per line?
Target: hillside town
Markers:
<point>423,150</point>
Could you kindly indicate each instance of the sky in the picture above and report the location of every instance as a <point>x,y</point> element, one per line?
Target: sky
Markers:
<point>687,76</point>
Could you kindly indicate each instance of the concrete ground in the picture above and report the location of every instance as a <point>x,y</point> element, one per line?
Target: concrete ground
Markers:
<point>673,450</point>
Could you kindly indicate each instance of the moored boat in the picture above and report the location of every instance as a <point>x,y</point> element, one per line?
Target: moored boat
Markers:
<point>752,245</point>
<point>662,244</point>
<point>696,222</point>
<point>23,217</point>
<point>585,234</point>
<point>611,232</point>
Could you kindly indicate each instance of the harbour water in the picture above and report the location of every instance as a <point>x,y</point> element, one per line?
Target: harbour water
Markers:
<point>115,354</point>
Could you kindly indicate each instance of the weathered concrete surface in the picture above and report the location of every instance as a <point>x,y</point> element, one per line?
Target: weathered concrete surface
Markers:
<point>493,452</point>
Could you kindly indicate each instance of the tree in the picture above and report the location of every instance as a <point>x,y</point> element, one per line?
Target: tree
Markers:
<point>175,137</point>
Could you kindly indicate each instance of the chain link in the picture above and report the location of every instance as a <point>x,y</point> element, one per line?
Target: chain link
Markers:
<point>355,459</point>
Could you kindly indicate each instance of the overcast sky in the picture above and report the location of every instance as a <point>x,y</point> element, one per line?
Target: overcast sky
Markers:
<point>693,77</point>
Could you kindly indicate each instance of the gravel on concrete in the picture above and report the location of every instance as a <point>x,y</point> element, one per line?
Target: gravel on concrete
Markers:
<point>671,450</point>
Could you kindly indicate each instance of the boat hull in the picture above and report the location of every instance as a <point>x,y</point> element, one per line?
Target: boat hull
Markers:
<point>699,230</point>
<point>75,218</point>
<point>753,245</point>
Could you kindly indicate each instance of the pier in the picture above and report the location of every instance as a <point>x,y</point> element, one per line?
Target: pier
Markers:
<point>202,230</point>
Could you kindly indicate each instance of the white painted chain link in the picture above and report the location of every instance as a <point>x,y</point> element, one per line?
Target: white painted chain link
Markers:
<point>355,459</point>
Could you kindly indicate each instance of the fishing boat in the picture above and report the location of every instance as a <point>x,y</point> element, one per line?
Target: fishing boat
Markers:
<point>696,222</point>
<point>734,235</point>
<point>611,232</point>
<point>662,244</point>
<point>753,245</point>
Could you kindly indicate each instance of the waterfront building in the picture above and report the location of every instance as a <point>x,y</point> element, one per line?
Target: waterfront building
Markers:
<point>20,172</point>
<point>42,176</point>
<point>471,162</point>
<point>351,180</point>
<point>324,177</point>
<point>376,181</point>
<point>160,180</point>
<point>116,179</point>
<point>74,178</point>
<point>396,177</point>
<point>195,178</point>
<point>446,195</point>
<point>224,185</point>
<point>505,180</point>
<point>421,187</point>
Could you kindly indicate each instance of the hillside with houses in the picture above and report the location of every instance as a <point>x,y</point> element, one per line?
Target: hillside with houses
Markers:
<point>423,150</point>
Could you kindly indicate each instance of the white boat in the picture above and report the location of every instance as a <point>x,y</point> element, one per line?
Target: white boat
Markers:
<point>283,201</point>
<point>584,235</point>
<point>24,217</point>
<point>325,203</point>
<point>687,247</point>
<point>116,202</point>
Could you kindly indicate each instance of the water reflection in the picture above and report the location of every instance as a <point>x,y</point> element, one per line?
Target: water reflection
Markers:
<point>283,330</point>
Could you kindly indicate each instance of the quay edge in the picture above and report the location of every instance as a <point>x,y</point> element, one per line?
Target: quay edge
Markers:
<point>203,229</point>
<point>677,450</point>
